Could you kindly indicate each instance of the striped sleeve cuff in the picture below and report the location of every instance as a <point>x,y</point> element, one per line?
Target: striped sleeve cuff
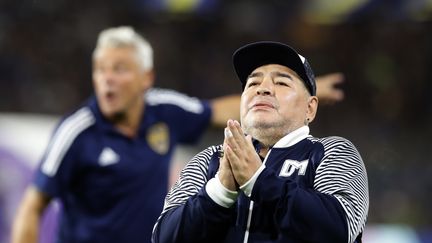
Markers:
<point>219,194</point>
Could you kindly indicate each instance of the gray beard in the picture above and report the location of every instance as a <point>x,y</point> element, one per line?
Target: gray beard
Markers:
<point>267,133</point>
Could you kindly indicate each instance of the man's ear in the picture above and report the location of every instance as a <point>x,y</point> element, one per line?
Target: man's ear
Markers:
<point>312,108</point>
<point>148,78</point>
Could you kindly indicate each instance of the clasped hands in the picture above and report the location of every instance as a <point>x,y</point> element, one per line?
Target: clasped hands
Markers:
<point>240,160</point>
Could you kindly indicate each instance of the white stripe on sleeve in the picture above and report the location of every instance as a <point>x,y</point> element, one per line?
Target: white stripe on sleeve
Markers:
<point>63,138</point>
<point>157,96</point>
<point>343,175</point>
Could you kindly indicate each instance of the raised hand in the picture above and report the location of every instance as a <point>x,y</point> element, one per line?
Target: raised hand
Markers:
<point>240,153</point>
<point>327,91</point>
<point>225,174</point>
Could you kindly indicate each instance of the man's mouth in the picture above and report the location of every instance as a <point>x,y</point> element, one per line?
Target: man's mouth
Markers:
<point>262,105</point>
<point>110,96</point>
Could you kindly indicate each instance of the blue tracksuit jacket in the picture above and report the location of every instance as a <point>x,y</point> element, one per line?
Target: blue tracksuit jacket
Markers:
<point>310,190</point>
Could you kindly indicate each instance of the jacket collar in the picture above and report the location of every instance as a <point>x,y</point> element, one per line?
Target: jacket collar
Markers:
<point>293,137</point>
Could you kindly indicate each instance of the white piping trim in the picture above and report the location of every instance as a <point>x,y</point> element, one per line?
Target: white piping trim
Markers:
<point>63,138</point>
<point>246,237</point>
<point>157,96</point>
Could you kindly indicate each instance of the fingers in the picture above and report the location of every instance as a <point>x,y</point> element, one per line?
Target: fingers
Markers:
<point>241,156</point>
<point>327,91</point>
<point>233,142</point>
<point>331,79</point>
<point>227,133</point>
<point>234,128</point>
<point>336,78</point>
<point>234,135</point>
<point>226,175</point>
<point>337,95</point>
<point>236,141</point>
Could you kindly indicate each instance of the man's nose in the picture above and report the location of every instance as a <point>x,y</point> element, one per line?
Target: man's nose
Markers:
<point>263,91</point>
<point>265,87</point>
<point>108,77</point>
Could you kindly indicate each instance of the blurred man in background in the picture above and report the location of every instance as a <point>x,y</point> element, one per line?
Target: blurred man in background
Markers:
<point>108,162</point>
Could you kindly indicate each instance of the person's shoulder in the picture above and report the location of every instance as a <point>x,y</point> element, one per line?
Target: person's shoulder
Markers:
<point>85,109</point>
<point>77,121</point>
<point>334,143</point>
<point>332,139</point>
<point>207,160</point>
<point>71,130</point>
<point>161,97</point>
<point>211,150</point>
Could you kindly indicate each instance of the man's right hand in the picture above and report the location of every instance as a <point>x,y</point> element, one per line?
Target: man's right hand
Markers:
<point>226,176</point>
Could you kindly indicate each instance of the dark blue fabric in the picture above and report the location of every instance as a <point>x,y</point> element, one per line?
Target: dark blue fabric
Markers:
<point>119,202</point>
<point>285,209</point>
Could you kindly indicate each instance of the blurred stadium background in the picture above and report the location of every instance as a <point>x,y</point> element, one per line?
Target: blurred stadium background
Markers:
<point>382,46</point>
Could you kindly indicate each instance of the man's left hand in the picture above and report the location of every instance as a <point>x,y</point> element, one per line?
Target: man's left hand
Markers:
<point>241,153</point>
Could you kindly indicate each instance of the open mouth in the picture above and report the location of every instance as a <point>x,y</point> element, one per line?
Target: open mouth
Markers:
<point>110,96</point>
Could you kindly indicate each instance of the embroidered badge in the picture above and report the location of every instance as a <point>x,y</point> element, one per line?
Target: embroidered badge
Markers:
<point>158,138</point>
<point>290,166</point>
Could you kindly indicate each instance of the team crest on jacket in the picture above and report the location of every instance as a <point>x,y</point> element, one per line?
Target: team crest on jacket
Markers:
<point>290,166</point>
<point>158,138</point>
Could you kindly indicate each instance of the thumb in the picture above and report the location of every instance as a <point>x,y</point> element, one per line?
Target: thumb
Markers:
<point>249,139</point>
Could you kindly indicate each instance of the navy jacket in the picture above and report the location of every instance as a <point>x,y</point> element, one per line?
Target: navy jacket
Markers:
<point>111,186</point>
<point>309,190</point>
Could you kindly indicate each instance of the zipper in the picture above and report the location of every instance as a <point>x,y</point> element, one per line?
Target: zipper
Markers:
<point>251,203</point>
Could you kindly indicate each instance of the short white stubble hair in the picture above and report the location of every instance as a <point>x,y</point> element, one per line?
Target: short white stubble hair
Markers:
<point>126,36</point>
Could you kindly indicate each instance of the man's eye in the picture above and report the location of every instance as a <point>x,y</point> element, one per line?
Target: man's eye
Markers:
<point>281,83</point>
<point>121,69</point>
<point>252,83</point>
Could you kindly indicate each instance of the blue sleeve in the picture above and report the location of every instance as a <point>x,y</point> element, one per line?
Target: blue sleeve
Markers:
<point>192,125</point>
<point>59,162</point>
<point>188,116</point>
<point>55,184</point>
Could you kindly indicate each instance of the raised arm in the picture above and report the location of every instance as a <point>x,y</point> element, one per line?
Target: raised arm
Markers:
<point>327,91</point>
<point>228,107</point>
<point>224,108</point>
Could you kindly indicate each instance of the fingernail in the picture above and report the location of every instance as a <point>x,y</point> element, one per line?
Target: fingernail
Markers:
<point>227,133</point>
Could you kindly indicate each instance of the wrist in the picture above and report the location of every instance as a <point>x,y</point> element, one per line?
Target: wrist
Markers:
<point>219,193</point>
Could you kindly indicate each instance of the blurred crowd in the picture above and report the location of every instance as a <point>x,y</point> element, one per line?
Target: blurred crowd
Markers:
<point>382,47</point>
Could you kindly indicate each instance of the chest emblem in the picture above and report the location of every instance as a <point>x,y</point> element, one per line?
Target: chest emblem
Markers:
<point>158,138</point>
<point>108,157</point>
<point>290,166</point>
